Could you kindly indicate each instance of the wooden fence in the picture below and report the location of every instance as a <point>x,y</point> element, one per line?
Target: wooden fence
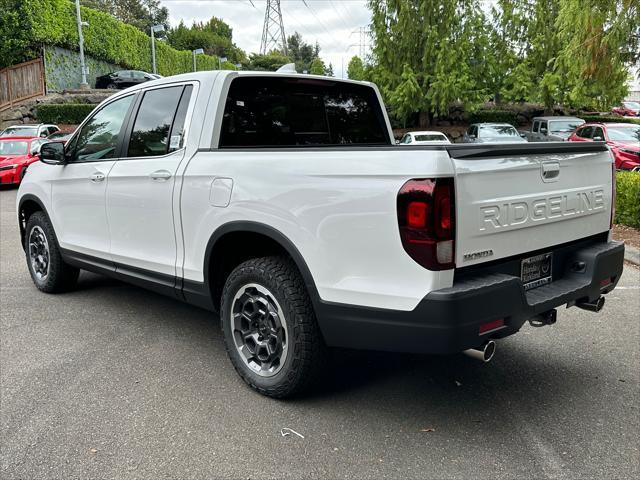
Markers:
<point>20,82</point>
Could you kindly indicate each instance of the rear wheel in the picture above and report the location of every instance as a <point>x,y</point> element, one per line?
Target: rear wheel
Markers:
<point>48,270</point>
<point>269,326</point>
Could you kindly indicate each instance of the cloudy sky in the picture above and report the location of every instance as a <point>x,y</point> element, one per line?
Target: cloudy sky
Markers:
<point>330,22</point>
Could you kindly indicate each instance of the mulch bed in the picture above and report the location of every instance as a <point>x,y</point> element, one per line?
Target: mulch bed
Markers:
<point>629,235</point>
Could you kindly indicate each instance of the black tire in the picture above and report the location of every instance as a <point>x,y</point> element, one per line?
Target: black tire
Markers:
<point>306,351</point>
<point>112,86</point>
<point>60,276</point>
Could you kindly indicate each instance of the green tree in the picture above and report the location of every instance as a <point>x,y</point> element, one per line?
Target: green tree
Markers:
<point>300,52</point>
<point>329,70</point>
<point>317,67</point>
<point>428,44</point>
<point>597,45</point>
<point>355,69</point>
<point>270,62</point>
<point>215,37</point>
<point>142,14</point>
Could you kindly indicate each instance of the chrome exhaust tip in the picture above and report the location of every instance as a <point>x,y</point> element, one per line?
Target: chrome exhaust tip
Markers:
<point>484,353</point>
<point>592,306</point>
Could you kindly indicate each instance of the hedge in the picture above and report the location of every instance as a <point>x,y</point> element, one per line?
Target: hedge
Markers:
<point>27,24</point>
<point>494,116</point>
<point>609,118</point>
<point>65,113</point>
<point>628,198</point>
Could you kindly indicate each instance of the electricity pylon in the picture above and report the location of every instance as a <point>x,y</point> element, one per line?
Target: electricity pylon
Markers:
<point>273,30</point>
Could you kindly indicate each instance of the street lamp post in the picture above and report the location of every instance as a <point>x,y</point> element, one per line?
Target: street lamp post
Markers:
<point>83,67</point>
<point>197,51</point>
<point>154,29</point>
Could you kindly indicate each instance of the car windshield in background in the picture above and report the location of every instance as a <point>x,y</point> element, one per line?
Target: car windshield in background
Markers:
<point>624,134</point>
<point>429,138</point>
<point>20,132</point>
<point>13,147</point>
<point>494,131</point>
<point>634,105</point>
<point>564,125</point>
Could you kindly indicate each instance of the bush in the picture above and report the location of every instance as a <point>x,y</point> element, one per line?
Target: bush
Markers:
<point>53,22</point>
<point>493,116</point>
<point>628,199</point>
<point>66,113</point>
<point>608,118</point>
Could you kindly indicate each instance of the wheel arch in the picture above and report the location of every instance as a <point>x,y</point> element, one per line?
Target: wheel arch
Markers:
<point>272,241</point>
<point>28,205</point>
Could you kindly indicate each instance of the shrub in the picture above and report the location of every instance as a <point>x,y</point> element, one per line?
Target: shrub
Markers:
<point>498,116</point>
<point>609,118</point>
<point>66,113</point>
<point>628,199</point>
<point>53,22</point>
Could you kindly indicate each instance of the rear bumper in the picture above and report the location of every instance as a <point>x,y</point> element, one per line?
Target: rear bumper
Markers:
<point>448,320</point>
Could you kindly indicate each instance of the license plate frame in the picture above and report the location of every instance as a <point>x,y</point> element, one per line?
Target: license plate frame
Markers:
<point>536,271</point>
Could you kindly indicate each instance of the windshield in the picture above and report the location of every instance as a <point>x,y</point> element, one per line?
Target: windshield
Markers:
<point>634,105</point>
<point>11,147</point>
<point>498,131</point>
<point>20,132</point>
<point>429,138</point>
<point>564,125</point>
<point>624,134</point>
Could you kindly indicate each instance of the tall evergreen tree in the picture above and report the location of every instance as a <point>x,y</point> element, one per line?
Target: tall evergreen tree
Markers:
<point>355,69</point>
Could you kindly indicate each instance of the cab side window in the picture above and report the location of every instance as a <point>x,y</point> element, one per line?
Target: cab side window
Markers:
<point>544,126</point>
<point>159,123</point>
<point>598,134</point>
<point>584,132</point>
<point>536,126</point>
<point>98,139</point>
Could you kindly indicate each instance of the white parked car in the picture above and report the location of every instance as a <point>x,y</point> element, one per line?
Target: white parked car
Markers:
<point>268,198</point>
<point>24,130</point>
<point>424,138</point>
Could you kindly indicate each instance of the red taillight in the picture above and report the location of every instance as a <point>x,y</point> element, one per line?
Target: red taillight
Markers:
<point>490,326</point>
<point>427,223</point>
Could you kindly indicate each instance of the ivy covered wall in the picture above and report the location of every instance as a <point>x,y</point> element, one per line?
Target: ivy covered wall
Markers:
<point>27,25</point>
<point>62,69</point>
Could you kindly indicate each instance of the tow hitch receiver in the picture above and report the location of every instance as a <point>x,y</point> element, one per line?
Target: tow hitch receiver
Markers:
<point>547,318</point>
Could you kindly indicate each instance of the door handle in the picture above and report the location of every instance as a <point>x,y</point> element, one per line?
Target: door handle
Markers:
<point>160,175</point>
<point>97,177</point>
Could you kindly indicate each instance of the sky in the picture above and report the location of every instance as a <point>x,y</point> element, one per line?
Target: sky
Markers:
<point>333,23</point>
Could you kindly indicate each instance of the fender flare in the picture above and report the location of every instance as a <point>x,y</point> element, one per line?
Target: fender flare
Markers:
<point>273,234</point>
<point>28,197</point>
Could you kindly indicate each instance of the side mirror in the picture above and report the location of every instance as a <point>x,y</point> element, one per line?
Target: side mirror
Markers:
<point>471,135</point>
<point>523,135</point>
<point>397,142</point>
<point>597,139</point>
<point>52,153</point>
<point>543,131</point>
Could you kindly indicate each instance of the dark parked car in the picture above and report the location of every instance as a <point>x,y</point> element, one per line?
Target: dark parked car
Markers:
<point>124,79</point>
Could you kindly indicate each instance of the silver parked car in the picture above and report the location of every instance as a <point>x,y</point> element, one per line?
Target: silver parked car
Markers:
<point>492,133</point>
<point>26,130</point>
<point>553,129</point>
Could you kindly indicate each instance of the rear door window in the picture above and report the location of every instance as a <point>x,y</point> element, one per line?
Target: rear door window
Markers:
<point>585,132</point>
<point>157,128</point>
<point>290,112</point>
<point>536,126</point>
<point>597,132</point>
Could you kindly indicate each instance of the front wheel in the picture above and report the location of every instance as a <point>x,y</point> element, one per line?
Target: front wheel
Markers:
<point>269,326</point>
<point>48,270</point>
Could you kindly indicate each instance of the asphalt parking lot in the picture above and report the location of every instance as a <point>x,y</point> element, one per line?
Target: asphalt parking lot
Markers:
<point>111,381</point>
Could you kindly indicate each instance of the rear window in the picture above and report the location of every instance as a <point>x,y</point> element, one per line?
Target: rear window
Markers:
<point>498,131</point>
<point>290,112</point>
<point>21,132</point>
<point>430,138</point>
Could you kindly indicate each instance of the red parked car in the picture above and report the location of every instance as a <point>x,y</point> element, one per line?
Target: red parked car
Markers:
<point>628,109</point>
<point>623,140</point>
<point>16,154</point>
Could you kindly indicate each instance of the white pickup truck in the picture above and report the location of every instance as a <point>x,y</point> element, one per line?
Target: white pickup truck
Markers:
<point>281,202</point>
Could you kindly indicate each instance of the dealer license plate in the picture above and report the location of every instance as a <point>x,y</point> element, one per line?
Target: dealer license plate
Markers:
<point>536,271</point>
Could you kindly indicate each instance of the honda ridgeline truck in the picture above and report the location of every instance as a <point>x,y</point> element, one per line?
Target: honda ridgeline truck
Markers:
<point>280,202</point>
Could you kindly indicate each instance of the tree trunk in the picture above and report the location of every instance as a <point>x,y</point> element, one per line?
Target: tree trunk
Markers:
<point>425,119</point>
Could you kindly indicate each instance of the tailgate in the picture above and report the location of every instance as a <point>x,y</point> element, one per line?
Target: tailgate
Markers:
<point>514,199</point>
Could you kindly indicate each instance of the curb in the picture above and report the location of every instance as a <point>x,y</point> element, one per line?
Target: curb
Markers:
<point>632,255</point>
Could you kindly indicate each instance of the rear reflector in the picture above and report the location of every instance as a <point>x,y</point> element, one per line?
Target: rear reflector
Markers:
<point>426,218</point>
<point>489,326</point>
